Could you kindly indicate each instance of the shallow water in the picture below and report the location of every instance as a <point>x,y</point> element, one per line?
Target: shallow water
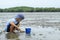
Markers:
<point>44,25</point>
<point>37,33</point>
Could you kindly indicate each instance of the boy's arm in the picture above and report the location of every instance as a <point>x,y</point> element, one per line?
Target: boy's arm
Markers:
<point>12,23</point>
<point>18,25</point>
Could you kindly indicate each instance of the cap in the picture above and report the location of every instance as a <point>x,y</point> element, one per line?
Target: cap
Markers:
<point>20,16</point>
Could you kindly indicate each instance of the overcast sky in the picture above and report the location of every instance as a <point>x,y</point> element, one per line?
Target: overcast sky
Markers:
<point>31,3</point>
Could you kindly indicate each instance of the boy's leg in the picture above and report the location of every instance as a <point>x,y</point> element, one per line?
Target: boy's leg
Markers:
<point>11,28</point>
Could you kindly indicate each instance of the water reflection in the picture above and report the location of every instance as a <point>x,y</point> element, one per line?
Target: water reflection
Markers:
<point>28,37</point>
<point>12,36</point>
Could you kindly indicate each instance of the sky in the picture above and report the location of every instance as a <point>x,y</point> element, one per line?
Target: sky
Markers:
<point>30,3</point>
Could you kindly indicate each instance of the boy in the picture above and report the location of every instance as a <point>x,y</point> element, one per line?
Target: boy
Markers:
<point>14,23</point>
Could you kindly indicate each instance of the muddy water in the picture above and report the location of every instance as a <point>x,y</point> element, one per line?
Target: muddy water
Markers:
<point>45,26</point>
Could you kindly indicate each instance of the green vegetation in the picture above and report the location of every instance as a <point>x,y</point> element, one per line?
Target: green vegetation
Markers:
<point>29,9</point>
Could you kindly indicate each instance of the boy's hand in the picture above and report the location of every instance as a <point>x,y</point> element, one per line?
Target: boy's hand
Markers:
<point>22,31</point>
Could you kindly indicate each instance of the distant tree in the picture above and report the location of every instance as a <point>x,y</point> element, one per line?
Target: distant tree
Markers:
<point>30,9</point>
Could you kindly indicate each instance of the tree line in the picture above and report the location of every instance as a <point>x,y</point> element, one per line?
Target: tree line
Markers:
<point>30,9</point>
